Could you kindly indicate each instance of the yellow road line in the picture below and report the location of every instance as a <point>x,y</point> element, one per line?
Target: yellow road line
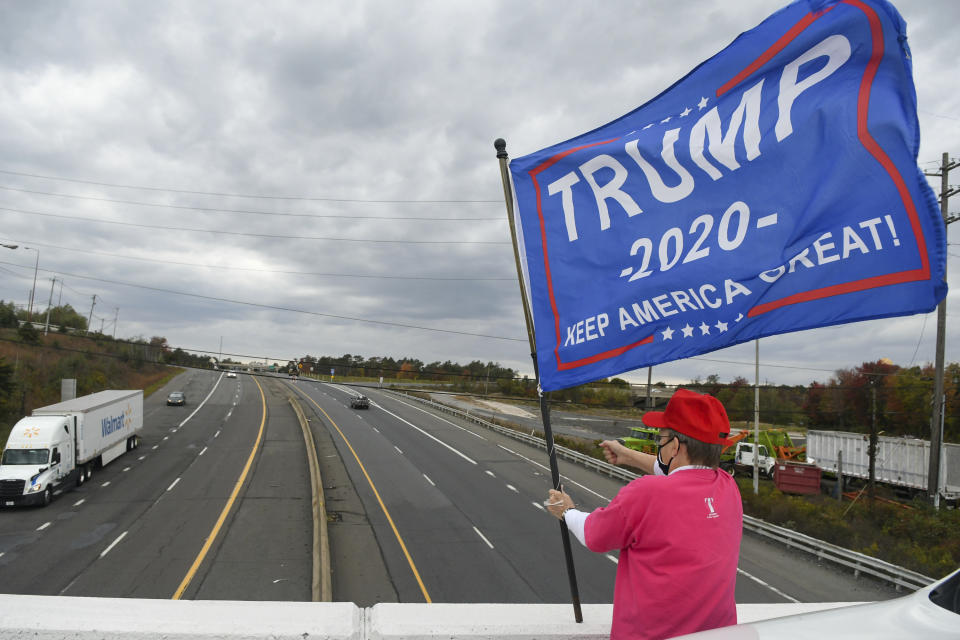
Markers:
<point>226,509</point>
<point>413,567</point>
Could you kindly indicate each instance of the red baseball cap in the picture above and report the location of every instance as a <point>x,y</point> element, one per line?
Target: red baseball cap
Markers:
<point>699,416</point>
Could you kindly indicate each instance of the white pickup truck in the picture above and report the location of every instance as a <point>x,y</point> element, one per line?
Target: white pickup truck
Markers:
<point>60,444</point>
<point>743,459</point>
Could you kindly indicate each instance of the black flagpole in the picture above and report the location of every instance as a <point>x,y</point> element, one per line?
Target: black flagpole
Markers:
<point>501,147</point>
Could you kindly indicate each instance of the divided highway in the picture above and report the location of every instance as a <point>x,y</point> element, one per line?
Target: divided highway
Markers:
<point>216,504</point>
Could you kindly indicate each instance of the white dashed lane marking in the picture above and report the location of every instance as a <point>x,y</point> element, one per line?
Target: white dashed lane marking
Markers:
<point>768,586</point>
<point>483,537</point>
<point>113,544</point>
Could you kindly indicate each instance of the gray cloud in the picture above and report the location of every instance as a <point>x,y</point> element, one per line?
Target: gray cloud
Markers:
<point>361,101</point>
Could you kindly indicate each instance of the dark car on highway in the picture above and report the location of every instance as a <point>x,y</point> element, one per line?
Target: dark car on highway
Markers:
<point>176,398</point>
<point>359,402</point>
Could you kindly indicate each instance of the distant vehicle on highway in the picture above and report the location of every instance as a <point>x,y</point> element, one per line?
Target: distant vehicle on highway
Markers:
<point>176,398</point>
<point>359,402</point>
<point>231,374</point>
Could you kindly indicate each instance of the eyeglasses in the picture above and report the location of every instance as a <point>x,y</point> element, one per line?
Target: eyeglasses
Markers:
<point>663,443</point>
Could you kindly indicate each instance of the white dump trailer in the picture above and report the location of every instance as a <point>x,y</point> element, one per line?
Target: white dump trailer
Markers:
<point>902,462</point>
<point>61,444</point>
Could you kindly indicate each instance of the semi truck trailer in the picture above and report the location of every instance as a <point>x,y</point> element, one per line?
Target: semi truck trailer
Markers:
<point>900,462</point>
<point>60,445</point>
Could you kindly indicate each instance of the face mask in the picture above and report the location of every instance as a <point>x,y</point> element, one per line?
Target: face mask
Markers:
<point>664,466</point>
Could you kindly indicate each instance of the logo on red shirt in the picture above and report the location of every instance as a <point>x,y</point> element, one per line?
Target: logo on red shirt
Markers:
<point>712,512</point>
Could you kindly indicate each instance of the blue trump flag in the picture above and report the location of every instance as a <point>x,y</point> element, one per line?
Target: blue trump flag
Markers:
<point>775,188</point>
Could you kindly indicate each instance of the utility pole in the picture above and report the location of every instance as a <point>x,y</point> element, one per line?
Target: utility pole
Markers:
<point>116,316</point>
<point>936,442</point>
<point>46,326</point>
<point>649,405</point>
<point>872,449</point>
<point>756,417</point>
<point>90,317</point>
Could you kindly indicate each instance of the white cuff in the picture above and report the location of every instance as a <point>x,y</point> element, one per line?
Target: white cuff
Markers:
<point>576,521</point>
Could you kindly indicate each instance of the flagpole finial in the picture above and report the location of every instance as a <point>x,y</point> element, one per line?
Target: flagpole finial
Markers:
<point>501,146</point>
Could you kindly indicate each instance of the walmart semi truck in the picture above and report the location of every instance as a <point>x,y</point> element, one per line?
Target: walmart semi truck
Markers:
<point>60,445</point>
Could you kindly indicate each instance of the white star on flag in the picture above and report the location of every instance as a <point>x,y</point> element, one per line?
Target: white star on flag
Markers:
<point>648,126</point>
<point>702,104</point>
<point>704,329</point>
<point>667,333</point>
<point>721,326</point>
<point>685,112</point>
<point>665,120</point>
<point>687,331</point>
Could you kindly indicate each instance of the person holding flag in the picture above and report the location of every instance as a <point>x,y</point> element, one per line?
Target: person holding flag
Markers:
<point>678,529</point>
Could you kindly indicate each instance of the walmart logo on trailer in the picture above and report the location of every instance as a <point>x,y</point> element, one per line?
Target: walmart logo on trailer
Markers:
<point>775,188</point>
<point>110,425</point>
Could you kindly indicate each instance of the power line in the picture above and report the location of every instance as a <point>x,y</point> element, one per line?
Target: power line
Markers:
<point>290,309</point>
<point>251,235</point>
<point>255,270</point>
<point>252,196</point>
<point>250,211</point>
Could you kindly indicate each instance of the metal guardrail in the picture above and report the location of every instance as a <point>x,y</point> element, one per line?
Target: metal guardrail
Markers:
<point>824,551</point>
<point>859,562</point>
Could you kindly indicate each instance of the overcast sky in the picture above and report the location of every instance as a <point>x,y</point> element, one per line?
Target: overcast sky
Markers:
<point>284,162</point>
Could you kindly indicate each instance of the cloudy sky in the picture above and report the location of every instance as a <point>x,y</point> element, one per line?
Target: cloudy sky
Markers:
<point>319,178</point>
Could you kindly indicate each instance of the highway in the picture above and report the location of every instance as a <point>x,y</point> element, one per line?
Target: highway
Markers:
<point>215,504</point>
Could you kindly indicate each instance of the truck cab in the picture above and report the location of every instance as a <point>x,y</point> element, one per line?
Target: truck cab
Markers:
<point>743,459</point>
<point>38,460</point>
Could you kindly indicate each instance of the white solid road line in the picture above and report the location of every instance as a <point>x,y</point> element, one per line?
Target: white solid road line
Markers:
<point>483,537</point>
<point>199,406</point>
<point>174,484</point>
<point>435,439</point>
<point>113,544</point>
<point>767,585</point>
<point>475,435</point>
<point>520,455</point>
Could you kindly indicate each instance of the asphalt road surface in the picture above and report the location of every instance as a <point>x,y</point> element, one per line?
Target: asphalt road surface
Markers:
<point>215,504</point>
<point>466,523</point>
<point>137,528</point>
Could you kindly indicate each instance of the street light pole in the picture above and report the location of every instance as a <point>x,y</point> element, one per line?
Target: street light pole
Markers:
<point>36,267</point>
<point>33,291</point>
